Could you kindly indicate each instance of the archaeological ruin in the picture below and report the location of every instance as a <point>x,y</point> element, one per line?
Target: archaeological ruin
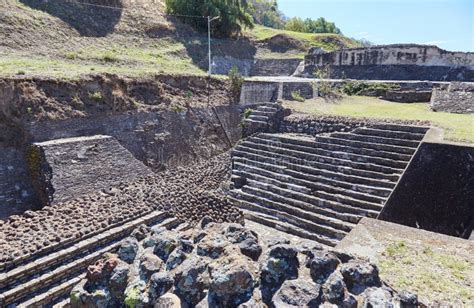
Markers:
<point>135,180</point>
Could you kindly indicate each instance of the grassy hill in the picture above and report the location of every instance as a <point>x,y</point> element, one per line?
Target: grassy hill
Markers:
<point>66,39</point>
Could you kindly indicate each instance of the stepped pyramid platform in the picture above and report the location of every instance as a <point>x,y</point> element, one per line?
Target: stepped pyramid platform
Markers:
<point>319,188</point>
<point>48,280</point>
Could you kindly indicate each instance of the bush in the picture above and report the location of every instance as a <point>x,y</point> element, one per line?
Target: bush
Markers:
<point>324,87</point>
<point>96,96</point>
<point>361,87</point>
<point>296,96</point>
<point>236,82</point>
<point>247,113</point>
<point>234,14</point>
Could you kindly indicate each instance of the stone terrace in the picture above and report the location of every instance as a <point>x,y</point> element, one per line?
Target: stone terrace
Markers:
<point>320,187</point>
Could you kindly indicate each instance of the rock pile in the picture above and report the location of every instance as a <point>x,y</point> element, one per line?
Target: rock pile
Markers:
<point>228,265</point>
<point>187,193</point>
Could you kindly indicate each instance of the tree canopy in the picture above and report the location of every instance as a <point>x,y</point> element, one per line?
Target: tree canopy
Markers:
<point>234,14</point>
<point>266,13</point>
<point>309,25</point>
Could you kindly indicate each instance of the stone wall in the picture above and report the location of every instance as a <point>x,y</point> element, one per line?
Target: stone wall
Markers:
<point>255,67</point>
<point>395,62</point>
<point>74,167</point>
<point>274,67</point>
<point>456,98</point>
<point>160,140</point>
<point>16,190</point>
<point>442,200</point>
<point>259,92</point>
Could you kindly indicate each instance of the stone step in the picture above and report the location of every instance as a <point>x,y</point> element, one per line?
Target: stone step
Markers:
<point>366,145</point>
<point>349,200</point>
<point>297,166</point>
<point>290,186</point>
<point>329,227</point>
<point>334,209</point>
<point>389,134</point>
<point>295,216</point>
<point>258,118</point>
<point>54,294</point>
<point>270,156</point>
<point>376,139</point>
<point>267,109</point>
<point>262,113</point>
<point>251,121</point>
<point>402,128</point>
<point>306,173</point>
<point>259,214</point>
<point>247,171</point>
<point>311,142</point>
<point>250,147</point>
<point>35,278</point>
<point>262,143</point>
<point>265,192</point>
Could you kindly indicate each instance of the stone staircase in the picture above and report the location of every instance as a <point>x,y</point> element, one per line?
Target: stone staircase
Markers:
<point>320,187</point>
<point>48,280</point>
<point>264,118</point>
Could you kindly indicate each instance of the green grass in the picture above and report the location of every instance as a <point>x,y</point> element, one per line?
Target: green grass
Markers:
<point>449,278</point>
<point>162,57</point>
<point>323,40</point>
<point>458,127</point>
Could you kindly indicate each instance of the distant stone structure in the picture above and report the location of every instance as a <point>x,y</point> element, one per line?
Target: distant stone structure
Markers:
<point>394,62</point>
<point>458,97</point>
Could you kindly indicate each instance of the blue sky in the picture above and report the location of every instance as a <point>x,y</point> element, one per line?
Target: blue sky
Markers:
<point>446,23</point>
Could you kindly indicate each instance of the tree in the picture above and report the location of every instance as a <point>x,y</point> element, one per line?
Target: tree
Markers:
<point>266,13</point>
<point>295,24</point>
<point>234,14</point>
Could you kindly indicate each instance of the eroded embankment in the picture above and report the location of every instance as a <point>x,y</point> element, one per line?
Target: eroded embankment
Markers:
<point>164,121</point>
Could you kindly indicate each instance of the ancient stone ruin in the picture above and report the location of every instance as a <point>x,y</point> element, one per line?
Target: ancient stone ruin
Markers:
<point>190,200</point>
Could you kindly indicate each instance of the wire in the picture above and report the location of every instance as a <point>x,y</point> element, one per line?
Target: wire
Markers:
<point>119,8</point>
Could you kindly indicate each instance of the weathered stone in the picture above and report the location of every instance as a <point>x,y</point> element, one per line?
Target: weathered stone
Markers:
<point>281,264</point>
<point>149,264</point>
<point>160,283</point>
<point>334,289</point>
<point>297,293</point>
<point>81,297</point>
<point>377,297</point>
<point>128,249</point>
<point>169,300</point>
<point>175,259</point>
<point>407,299</point>
<point>322,264</point>
<point>232,280</point>
<point>358,275</point>
<point>250,248</point>
<point>192,280</point>
<point>166,243</point>
<point>118,280</point>
<point>212,246</point>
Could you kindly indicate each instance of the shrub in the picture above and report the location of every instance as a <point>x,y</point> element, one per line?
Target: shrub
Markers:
<point>324,87</point>
<point>296,96</point>
<point>352,87</point>
<point>247,113</point>
<point>109,57</point>
<point>236,82</point>
<point>96,96</point>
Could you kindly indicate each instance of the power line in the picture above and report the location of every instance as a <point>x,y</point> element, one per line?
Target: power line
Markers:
<point>122,8</point>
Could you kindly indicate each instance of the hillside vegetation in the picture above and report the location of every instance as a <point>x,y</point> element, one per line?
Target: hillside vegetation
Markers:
<point>66,39</point>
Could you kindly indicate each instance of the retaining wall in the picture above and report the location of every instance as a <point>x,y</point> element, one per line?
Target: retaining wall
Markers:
<point>436,192</point>
<point>16,190</point>
<point>74,167</point>
<point>456,98</point>
<point>395,62</point>
<point>158,139</point>
<point>255,67</point>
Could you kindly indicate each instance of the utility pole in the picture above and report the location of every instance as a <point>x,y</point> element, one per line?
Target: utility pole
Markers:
<point>209,20</point>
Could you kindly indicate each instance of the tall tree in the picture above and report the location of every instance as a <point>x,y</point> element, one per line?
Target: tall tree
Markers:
<point>234,14</point>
